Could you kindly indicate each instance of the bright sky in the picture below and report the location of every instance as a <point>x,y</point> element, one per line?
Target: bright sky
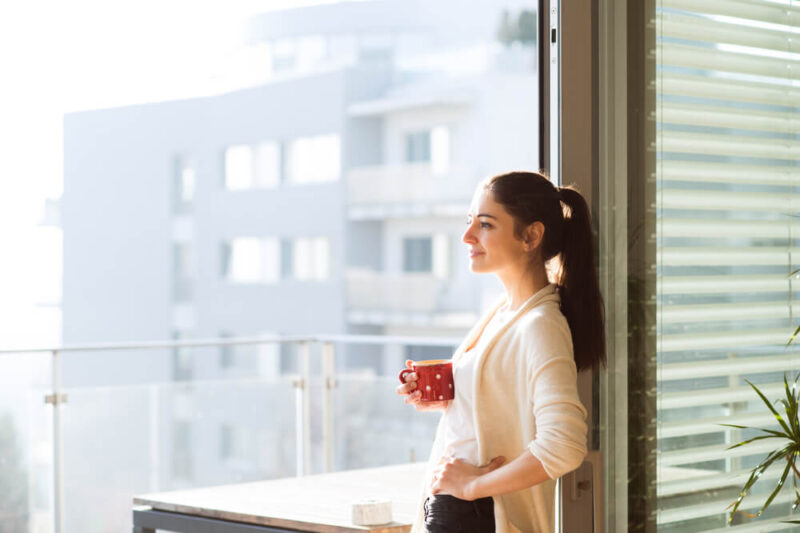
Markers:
<point>61,56</point>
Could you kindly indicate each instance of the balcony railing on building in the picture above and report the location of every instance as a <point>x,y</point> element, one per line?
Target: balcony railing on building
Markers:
<point>422,187</point>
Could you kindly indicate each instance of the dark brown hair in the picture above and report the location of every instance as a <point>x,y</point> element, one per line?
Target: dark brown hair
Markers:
<point>530,197</point>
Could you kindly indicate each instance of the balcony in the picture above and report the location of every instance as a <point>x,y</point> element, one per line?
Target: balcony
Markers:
<point>405,299</point>
<point>413,189</point>
<point>289,409</point>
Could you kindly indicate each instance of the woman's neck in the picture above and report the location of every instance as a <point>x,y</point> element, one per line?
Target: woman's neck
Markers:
<point>522,283</point>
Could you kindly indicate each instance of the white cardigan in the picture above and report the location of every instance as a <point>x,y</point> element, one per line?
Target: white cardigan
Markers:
<point>526,398</point>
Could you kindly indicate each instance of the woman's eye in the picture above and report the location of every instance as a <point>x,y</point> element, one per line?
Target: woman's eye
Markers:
<point>485,225</point>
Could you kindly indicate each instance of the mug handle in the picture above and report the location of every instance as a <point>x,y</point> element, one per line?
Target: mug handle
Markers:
<point>403,373</point>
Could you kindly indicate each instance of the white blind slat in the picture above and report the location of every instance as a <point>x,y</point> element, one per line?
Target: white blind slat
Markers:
<point>747,10</point>
<point>728,367</point>
<point>728,173</point>
<point>772,92</point>
<point>724,60</point>
<point>727,201</point>
<point>691,285</point>
<point>728,395</point>
<point>726,117</point>
<point>728,256</point>
<point>692,27</point>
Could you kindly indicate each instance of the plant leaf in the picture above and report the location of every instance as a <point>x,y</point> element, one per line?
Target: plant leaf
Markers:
<point>778,487</point>
<point>759,437</point>
<point>755,474</point>
<point>790,406</point>
<point>793,335</point>
<point>770,431</point>
<point>771,408</point>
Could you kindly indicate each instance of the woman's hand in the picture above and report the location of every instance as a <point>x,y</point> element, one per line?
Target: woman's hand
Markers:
<point>412,396</point>
<point>456,477</point>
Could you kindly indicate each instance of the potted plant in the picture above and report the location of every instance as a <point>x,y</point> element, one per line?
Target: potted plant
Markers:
<point>788,450</point>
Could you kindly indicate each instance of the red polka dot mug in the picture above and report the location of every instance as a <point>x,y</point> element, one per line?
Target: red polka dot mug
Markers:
<point>434,379</point>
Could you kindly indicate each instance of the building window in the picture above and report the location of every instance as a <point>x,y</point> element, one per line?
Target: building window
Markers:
<point>182,273</point>
<point>267,165</point>
<point>239,167</point>
<point>182,467</point>
<point>184,185</point>
<point>314,159</point>
<point>251,260</point>
<point>417,254</point>
<point>306,259</point>
<point>418,147</point>
<point>253,167</point>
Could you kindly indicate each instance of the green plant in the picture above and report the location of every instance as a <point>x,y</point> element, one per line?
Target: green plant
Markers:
<point>789,452</point>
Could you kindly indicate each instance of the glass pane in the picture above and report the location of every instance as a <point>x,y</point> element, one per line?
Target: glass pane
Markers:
<point>123,441</point>
<point>306,117</point>
<point>373,427</point>
<point>26,445</point>
<point>726,232</point>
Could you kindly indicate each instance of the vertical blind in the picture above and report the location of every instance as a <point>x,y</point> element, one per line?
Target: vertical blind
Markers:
<point>728,237</point>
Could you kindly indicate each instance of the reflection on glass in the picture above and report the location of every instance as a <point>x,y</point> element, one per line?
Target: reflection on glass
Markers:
<point>727,178</point>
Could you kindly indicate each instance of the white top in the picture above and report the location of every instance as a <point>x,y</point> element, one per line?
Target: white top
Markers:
<point>526,400</point>
<point>458,421</point>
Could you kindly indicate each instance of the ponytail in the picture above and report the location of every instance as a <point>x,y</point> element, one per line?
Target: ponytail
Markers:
<point>581,301</point>
<point>530,197</point>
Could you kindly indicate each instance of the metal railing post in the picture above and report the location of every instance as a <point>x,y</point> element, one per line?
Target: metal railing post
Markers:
<point>329,377</point>
<point>305,359</point>
<point>303,412</point>
<point>56,399</point>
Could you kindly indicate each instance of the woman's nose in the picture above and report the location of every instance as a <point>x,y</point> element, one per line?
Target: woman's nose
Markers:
<point>468,237</point>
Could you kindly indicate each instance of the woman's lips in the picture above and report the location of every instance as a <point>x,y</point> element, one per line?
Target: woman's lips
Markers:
<point>475,254</point>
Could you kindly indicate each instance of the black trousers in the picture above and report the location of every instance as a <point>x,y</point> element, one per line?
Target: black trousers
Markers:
<point>448,514</point>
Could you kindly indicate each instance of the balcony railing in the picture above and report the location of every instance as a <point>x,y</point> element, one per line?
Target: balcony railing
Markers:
<point>223,426</point>
<point>415,184</point>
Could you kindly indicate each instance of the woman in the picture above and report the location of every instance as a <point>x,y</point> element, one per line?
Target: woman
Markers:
<point>516,423</point>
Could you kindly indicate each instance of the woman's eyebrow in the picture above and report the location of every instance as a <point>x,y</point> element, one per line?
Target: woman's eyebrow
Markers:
<point>485,215</point>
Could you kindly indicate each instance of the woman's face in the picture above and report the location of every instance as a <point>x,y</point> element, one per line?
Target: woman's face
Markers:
<point>490,237</point>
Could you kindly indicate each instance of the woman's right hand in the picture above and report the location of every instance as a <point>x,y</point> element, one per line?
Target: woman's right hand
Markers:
<point>412,395</point>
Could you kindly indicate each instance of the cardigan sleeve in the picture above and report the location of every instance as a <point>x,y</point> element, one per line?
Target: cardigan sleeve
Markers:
<point>560,439</point>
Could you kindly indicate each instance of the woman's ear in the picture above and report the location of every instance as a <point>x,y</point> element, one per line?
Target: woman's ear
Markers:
<point>534,234</point>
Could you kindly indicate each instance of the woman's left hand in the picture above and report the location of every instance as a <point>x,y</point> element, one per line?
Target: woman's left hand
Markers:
<point>456,477</point>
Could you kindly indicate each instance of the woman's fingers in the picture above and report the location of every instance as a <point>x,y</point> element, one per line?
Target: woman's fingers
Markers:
<point>412,397</point>
<point>406,388</point>
<point>495,463</point>
<point>411,377</point>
